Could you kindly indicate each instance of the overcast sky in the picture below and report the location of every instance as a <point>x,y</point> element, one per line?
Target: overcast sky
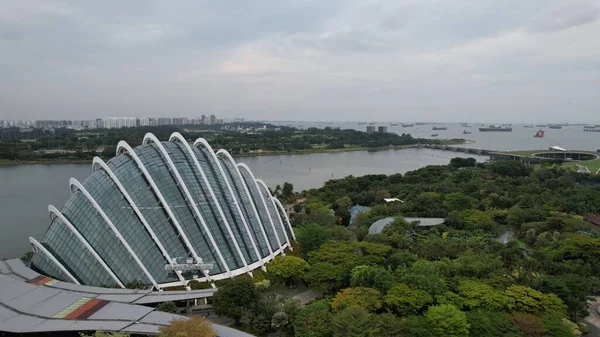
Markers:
<point>389,60</point>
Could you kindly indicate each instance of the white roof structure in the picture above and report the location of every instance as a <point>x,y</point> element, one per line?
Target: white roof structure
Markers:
<point>33,303</point>
<point>557,148</point>
<point>378,226</point>
<point>392,199</point>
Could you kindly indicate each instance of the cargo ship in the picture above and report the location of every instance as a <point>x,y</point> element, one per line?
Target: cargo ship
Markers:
<point>439,127</point>
<point>589,128</point>
<point>528,125</point>
<point>496,128</point>
<point>408,125</point>
<point>555,126</point>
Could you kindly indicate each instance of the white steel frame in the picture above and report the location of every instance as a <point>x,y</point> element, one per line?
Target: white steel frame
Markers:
<point>287,219</point>
<point>202,141</point>
<point>245,167</point>
<point>36,245</point>
<point>179,137</point>
<point>76,185</point>
<point>57,213</point>
<point>270,196</point>
<point>187,195</point>
<point>123,146</point>
<point>227,156</point>
<point>98,163</point>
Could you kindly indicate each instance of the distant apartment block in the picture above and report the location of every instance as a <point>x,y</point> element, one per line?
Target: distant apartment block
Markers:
<point>370,128</point>
<point>382,129</point>
<point>119,122</point>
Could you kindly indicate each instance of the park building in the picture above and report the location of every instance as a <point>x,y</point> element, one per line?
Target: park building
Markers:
<point>163,213</point>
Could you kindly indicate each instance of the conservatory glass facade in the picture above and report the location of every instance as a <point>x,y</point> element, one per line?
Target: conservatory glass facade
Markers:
<point>163,213</point>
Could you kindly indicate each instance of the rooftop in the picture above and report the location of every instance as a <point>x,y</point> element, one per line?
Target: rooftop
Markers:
<point>30,302</point>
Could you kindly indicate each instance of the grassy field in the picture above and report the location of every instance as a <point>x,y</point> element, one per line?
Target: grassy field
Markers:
<point>592,165</point>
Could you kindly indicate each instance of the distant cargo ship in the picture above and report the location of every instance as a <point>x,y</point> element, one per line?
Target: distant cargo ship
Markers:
<point>500,128</point>
<point>394,124</point>
<point>439,127</point>
<point>408,125</point>
<point>541,125</point>
<point>467,131</point>
<point>528,125</point>
<point>589,128</point>
<point>555,126</point>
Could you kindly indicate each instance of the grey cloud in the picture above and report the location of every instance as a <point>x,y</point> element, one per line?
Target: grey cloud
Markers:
<point>314,59</point>
<point>566,15</point>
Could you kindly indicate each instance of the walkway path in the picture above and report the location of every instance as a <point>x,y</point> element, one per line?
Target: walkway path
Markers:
<point>593,320</point>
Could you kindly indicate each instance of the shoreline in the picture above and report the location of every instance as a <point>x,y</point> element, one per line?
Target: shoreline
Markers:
<point>6,163</point>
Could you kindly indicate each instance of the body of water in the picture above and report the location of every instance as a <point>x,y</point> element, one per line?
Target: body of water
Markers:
<point>27,190</point>
<point>521,138</point>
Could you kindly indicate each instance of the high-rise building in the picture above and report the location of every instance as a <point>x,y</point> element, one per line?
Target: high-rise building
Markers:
<point>382,129</point>
<point>119,122</point>
<point>370,128</point>
<point>164,121</point>
<point>213,120</point>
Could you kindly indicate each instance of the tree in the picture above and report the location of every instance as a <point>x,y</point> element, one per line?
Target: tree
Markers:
<point>287,191</point>
<point>169,307</point>
<point>311,236</point>
<point>288,268</point>
<point>354,322</point>
<point>448,321</point>
<point>234,298</point>
<point>478,295</point>
<point>373,277</point>
<point>457,201</point>
<point>193,327</point>
<point>314,320</point>
<point>405,300</point>
<point>101,333</point>
<point>424,275</point>
<point>366,298</point>
<point>491,324</point>
<point>279,320</point>
<point>559,326</point>
<point>388,325</point>
<point>531,301</point>
<point>530,325</point>
<point>325,276</point>
<point>458,162</point>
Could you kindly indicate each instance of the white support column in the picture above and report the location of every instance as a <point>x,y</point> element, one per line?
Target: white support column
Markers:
<point>287,219</point>
<point>74,184</point>
<point>187,195</point>
<point>227,156</point>
<point>57,213</point>
<point>262,183</point>
<point>229,189</point>
<point>98,163</point>
<point>123,146</point>
<point>179,137</point>
<point>36,245</point>
<point>262,198</point>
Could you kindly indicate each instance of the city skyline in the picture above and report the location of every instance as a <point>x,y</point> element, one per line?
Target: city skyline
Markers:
<point>318,60</point>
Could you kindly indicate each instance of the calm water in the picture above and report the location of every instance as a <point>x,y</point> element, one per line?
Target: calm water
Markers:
<point>27,190</point>
<point>569,137</point>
